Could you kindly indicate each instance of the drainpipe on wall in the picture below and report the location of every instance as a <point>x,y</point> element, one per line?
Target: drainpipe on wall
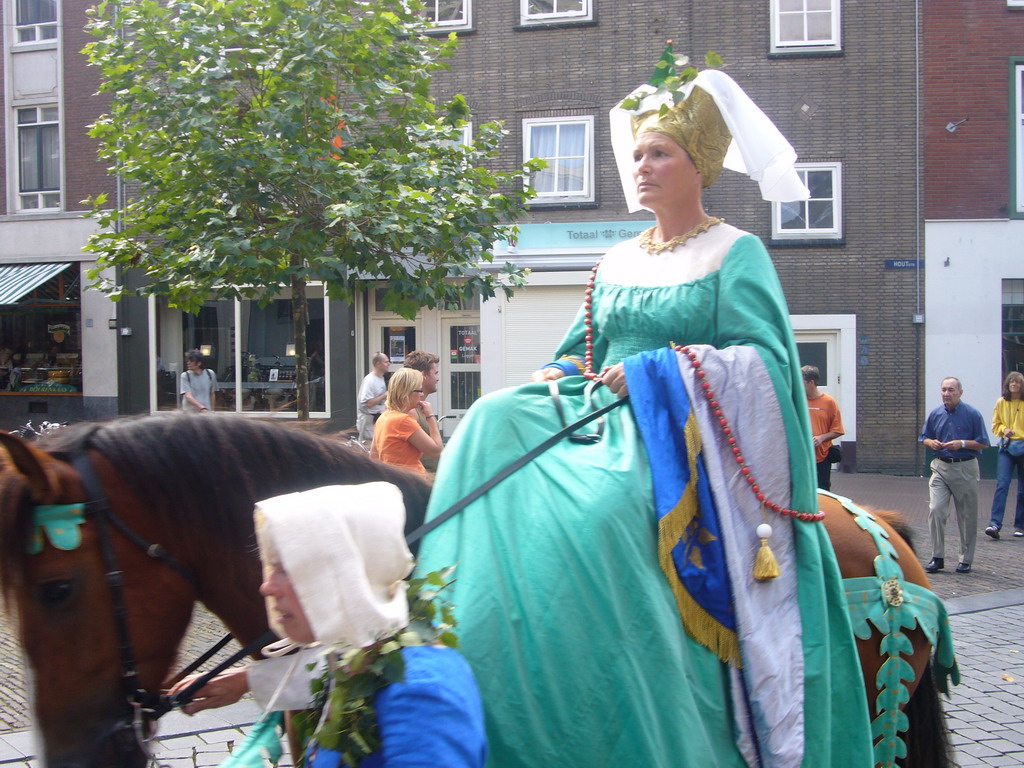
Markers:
<point>919,224</point>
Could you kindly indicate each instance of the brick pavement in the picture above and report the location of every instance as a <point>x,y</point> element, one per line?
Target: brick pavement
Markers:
<point>987,609</point>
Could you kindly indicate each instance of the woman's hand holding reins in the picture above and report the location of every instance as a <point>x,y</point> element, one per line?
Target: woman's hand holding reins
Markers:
<point>547,374</point>
<point>615,379</point>
<point>226,688</point>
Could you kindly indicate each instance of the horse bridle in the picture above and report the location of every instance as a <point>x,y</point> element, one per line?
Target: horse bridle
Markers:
<point>128,733</point>
<point>141,703</point>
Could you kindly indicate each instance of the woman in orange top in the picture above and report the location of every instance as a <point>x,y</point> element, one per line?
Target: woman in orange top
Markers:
<point>397,437</point>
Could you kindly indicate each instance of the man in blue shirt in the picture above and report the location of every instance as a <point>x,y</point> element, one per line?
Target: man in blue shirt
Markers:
<point>957,434</point>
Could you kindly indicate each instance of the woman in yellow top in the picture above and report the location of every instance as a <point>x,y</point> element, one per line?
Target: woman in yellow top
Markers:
<point>397,437</point>
<point>1008,425</point>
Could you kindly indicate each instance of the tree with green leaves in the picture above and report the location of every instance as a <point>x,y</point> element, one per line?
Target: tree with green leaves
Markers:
<point>280,142</point>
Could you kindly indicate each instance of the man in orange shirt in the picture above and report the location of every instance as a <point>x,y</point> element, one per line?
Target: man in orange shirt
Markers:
<point>826,424</point>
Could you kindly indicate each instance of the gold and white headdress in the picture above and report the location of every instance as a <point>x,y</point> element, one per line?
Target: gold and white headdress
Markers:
<point>718,125</point>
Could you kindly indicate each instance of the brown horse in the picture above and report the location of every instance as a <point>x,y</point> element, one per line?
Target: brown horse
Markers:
<point>189,485</point>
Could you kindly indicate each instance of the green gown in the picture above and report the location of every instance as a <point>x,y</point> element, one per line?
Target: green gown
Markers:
<point>564,614</point>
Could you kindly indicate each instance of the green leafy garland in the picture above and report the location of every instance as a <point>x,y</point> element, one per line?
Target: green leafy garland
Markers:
<point>352,679</point>
<point>671,73</point>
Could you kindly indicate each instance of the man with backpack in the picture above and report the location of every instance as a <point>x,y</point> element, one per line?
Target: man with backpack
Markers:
<point>198,384</point>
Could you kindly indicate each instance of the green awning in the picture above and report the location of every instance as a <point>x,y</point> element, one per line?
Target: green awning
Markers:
<point>16,280</point>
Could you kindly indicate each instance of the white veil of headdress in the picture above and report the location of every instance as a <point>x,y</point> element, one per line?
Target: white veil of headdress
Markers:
<point>758,148</point>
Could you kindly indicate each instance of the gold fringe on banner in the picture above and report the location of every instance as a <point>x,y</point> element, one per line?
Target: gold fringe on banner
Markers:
<point>699,624</point>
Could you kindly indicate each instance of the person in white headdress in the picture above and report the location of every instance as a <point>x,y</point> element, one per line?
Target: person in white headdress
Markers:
<point>335,563</point>
<point>580,610</point>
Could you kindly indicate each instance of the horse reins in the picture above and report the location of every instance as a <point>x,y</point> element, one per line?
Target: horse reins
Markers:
<point>141,701</point>
<point>568,431</point>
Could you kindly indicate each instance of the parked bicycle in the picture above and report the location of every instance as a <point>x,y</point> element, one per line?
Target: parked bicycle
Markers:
<point>29,431</point>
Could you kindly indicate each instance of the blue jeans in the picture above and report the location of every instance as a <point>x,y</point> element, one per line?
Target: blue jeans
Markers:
<point>1005,464</point>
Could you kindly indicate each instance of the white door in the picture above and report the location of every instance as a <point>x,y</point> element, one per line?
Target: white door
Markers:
<point>819,348</point>
<point>459,385</point>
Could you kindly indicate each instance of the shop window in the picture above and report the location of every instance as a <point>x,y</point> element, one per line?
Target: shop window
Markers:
<point>566,145</point>
<point>250,349</point>
<point>40,329</point>
<point>38,158</point>
<point>35,20</point>
<point>820,216</point>
<point>805,25</point>
<point>541,11</point>
<point>397,341</point>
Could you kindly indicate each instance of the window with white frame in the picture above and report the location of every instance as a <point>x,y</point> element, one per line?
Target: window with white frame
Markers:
<point>1017,135</point>
<point>539,11</point>
<point>467,134</point>
<point>450,14</point>
<point>566,145</point>
<point>38,158</point>
<point>35,20</point>
<point>805,25</point>
<point>820,216</point>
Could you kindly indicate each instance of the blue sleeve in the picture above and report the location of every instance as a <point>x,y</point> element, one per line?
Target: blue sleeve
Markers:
<point>434,717</point>
<point>980,429</point>
<point>927,431</point>
<point>565,366</point>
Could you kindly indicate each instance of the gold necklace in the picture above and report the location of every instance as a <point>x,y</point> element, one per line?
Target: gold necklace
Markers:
<point>648,243</point>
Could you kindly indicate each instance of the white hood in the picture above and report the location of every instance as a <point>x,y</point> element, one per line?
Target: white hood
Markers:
<point>343,548</point>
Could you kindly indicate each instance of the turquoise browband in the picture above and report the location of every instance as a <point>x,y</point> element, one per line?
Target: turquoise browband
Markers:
<point>60,524</point>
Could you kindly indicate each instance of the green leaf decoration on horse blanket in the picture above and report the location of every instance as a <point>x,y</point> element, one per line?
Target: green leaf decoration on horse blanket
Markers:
<point>887,603</point>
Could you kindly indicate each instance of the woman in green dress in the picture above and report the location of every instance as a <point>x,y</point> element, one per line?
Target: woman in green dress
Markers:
<point>572,626</point>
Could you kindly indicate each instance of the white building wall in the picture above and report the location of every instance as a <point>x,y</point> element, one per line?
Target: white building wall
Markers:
<point>30,239</point>
<point>99,341</point>
<point>965,264</point>
<point>521,334</point>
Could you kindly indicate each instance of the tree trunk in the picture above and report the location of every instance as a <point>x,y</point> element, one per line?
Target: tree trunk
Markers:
<point>300,319</point>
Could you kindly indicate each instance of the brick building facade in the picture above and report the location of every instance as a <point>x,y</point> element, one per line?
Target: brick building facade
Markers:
<point>847,103</point>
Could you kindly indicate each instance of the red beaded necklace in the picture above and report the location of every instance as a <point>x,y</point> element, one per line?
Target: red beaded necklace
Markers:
<point>588,319</point>
<point>709,395</point>
<point>723,422</point>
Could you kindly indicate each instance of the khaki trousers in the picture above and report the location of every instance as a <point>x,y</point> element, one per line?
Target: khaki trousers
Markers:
<point>957,482</point>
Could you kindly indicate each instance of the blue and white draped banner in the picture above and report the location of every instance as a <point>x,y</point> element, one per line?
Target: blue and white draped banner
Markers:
<point>768,689</point>
<point>690,547</point>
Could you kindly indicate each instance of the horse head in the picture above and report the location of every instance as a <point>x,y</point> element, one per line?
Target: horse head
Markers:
<point>55,581</point>
<point>185,483</point>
